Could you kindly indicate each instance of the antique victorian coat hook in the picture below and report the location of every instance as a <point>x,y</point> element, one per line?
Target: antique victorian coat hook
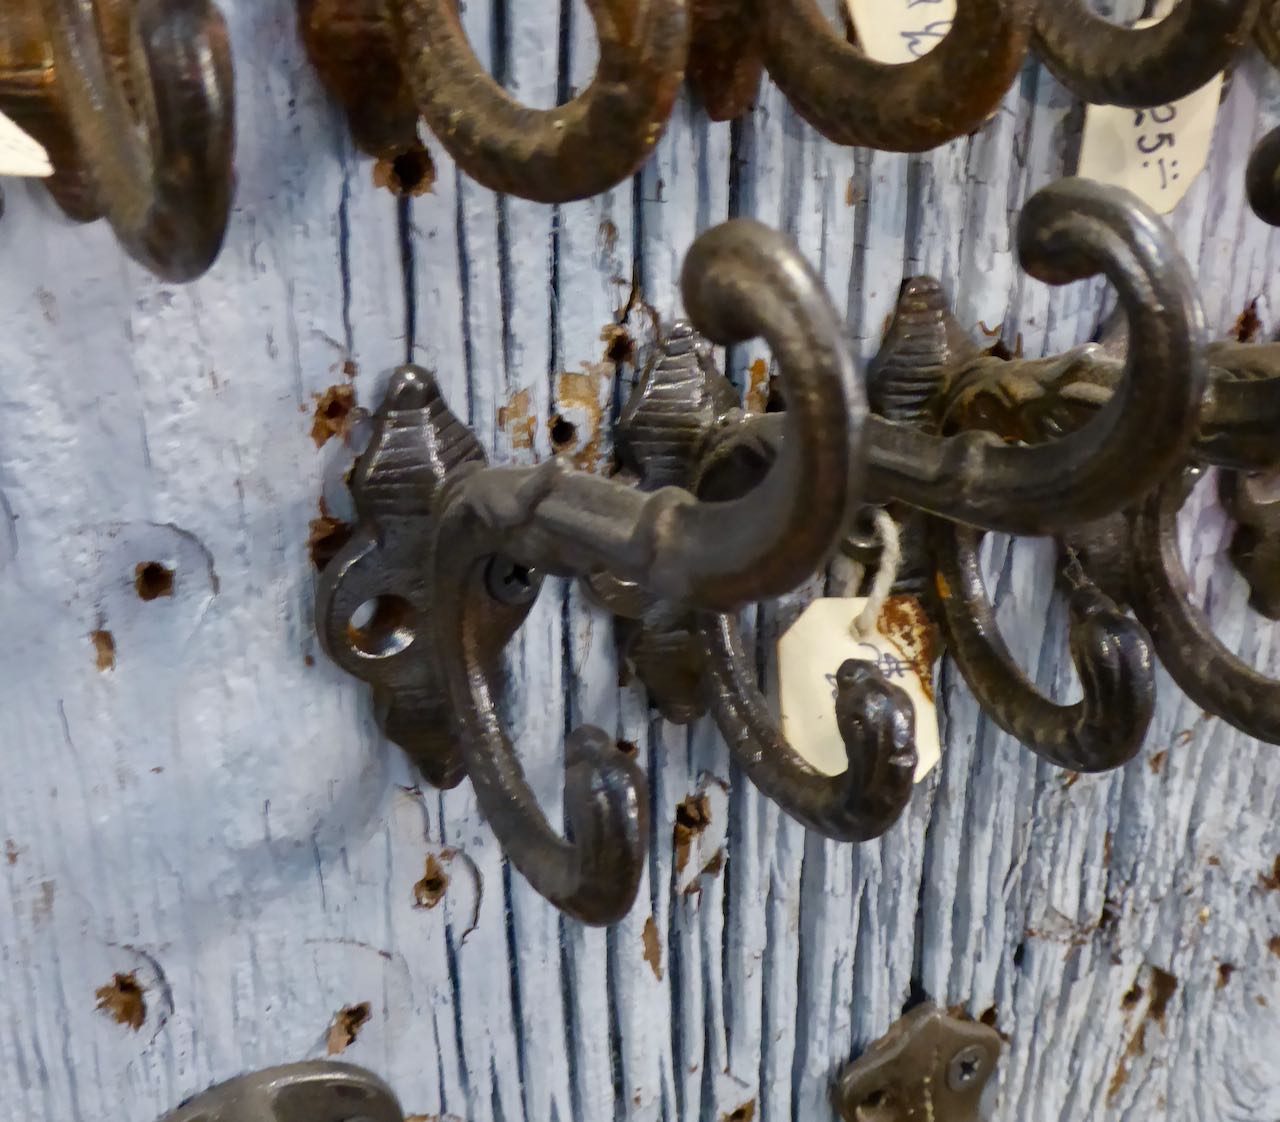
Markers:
<point>853,99</point>
<point>441,614</point>
<point>134,102</point>
<point>383,56</point>
<point>1103,63</point>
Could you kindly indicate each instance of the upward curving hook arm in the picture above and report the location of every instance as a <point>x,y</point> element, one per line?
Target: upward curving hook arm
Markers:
<point>1111,652</point>
<point>1206,671</point>
<point>1068,231</point>
<point>154,129</point>
<point>876,722</point>
<point>1106,64</point>
<point>910,107</point>
<point>579,149</point>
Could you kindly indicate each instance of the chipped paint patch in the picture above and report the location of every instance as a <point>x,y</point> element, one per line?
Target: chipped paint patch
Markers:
<point>123,999</point>
<point>517,421</point>
<point>652,947</point>
<point>579,407</point>
<point>346,1026</point>
<point>104,647</point>
<point>757,395</point>
<point>332,415</point>
<point>430,890</point>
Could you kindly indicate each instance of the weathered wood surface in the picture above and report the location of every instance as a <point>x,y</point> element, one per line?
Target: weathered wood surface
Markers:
<point>216,815</point>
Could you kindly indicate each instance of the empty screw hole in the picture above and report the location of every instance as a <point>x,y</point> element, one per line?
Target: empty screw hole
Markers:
<point>380,627</point>
<point>564,433</point>
<point>408,173</point>
<point>153,580</point>
<point>874,1099</point>
<point>509,582</point>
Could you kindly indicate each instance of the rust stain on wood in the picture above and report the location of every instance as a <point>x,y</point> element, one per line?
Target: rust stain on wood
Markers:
<point>332,414</point>
<point>578,393</point>
<point>652,947</point>
<point>1248,323</point>
<point>104,647</point>
<point>757,395</point>
<point>516,420</point>
<point>692,817</point>
<point>430,890</point>
<point>346,1026</point>
<point>1271,881</point>
<point>619,346</point>
<point>123,999</point>
<point>1273,946</point>
<point>408,174</point>
<point>326,538</point>
<point>11,851</point>
<point>1156,761</point>
<point>744,1113</point>
<point>1225,970</point>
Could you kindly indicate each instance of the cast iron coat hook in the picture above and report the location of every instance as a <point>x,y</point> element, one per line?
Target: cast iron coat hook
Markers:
<point>135,103</point>
<point>449,551</point>
<point>1262,179</point>
<point>725,60</point>
<point>853,99</point>
<point>692,661</point>
<point>1103,63</point>
<point>1111,653</point>
<point>1068,231</point>
<point>579,149</point>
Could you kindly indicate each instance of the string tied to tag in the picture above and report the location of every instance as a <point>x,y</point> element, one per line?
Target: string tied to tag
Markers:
<point>847,574</point>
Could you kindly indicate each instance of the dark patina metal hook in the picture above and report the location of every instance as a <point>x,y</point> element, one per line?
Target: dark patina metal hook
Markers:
<point>1111,653</point>
<point>1106,64</point>
<point>672,434</point>
<point>555,155</point>
<point>725,59</point>
<point>1262,179</point>
<point>314,1091</point>
<point>448,553</point>
<point>135,104</point>
<point>1068,231</point>
<point>853,99</point>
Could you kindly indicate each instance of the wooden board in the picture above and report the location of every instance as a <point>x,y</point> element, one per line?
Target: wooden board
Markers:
<point>203,831</point>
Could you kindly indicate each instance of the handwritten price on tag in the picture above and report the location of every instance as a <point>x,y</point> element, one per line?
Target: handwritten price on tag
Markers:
<point>1155,153</point>
<point>901,30</point>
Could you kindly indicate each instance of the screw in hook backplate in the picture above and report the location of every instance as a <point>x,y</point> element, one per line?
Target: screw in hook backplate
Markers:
<point>510,583</point>
<point>928,1065</point>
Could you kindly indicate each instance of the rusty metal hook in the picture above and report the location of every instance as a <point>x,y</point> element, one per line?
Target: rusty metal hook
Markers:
<point>725,56</point>
<point>1111,653</point>
<point>135,103</point>
<point>682,427</point>
<point>314,1091</point>
<point>1106,64</point>
<point>579,149</point>
<point>853,99</point>
<point>449,551</point>
<point>1069,230</point>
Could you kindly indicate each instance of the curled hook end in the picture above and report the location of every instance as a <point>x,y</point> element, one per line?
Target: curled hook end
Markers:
<point>877,723</point>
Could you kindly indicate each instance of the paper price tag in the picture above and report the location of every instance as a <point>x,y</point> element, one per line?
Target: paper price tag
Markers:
<point>900,30</point>
<point>815,647</point>
<point>1155,153</point>
<point>19,154</point>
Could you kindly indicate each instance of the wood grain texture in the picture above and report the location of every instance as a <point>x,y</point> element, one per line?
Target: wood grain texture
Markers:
<point>215,815</point>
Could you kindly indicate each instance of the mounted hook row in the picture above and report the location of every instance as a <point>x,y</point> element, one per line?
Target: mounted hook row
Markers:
<point>134,102</point>
<point>391,61</point>
<point>713,507</point>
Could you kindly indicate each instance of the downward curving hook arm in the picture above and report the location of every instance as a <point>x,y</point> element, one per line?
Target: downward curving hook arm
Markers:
<point>1068,231</point>
<point>1205,670</point>
<point>853,99</point>
<point>1262,179</point>
<point>1103,63</point>
<point>154,130</point>
<point>876,722</point>
<point>579,149</point>
<point>1111,652</point>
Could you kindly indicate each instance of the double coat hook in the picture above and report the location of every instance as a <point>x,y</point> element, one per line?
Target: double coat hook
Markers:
<point>134,102</point>
<point>714,508</point>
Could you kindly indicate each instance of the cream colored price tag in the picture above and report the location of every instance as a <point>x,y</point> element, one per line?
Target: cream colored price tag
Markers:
<point>816,646</point>
<point>1156,153</point>
<point>19,154</point>
<point>900,30</point>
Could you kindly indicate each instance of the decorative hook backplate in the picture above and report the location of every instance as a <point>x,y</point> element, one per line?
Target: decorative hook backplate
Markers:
<point>135,103</point>
<point>928,1066</point>
<point>314,1091</point>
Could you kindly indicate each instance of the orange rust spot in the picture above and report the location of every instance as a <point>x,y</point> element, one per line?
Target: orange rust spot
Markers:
<point>1225,970</point>
<point>579,393</point>
<point>1248,323</point>
<point>652,947</point>
<point>327,537</point>
<point>757,396</point>
<point>1273,946</point>
<point>516,420</point>
<point>430,890</point>
<point>619,346</point>
<point>11,852</point>
<point>407,174</point>
<point>346,1026</point>
<point>1271,881</point>
<point>745,1113</point>
<point>1156,762</point>
<point>692,817</point>
<point>104,646</point>
<point>904,621</point>
<point>332,415</point>
<point>122,998</point>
